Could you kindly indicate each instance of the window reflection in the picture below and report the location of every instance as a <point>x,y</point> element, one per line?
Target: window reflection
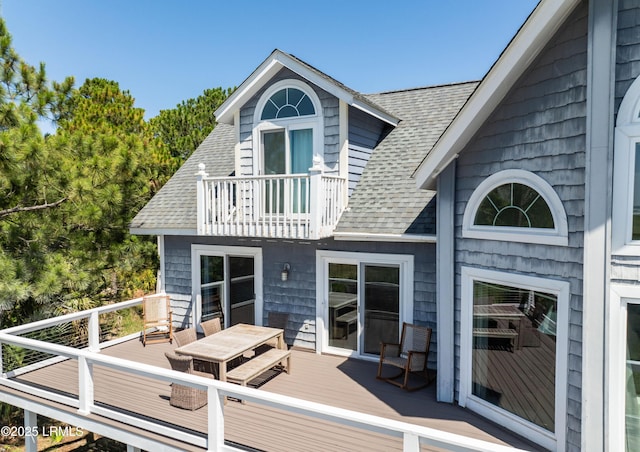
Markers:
<point>514,350</point>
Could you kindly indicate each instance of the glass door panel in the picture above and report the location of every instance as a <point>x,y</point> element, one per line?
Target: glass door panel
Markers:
<point>343,306</point>
<point>381,307</point>
<point>301,142</point>
<point>211,287</point>
<point>241,290</point>
<point>275,162</point>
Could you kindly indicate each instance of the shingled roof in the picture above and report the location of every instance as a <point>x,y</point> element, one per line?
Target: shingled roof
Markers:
<point>173,208</point>
<point>386,200</point>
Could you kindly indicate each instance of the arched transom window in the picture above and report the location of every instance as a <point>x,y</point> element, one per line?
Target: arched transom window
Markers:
<point>517,206</point>
<point>626,175</point>
<point>288,103</point>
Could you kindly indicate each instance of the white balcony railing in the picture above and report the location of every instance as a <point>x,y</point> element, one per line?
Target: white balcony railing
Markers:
<point>89,360</point>
<point>293,206</point>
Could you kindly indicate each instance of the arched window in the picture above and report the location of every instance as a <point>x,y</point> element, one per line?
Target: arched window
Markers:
<point>626,175</point>
<point>288,103</point>
<point>516,206</point>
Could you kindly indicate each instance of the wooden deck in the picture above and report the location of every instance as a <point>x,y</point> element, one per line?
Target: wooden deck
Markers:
<point>335,381</point>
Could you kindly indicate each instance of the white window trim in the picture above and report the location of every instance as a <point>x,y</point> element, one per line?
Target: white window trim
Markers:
<point>622,295</point>
<point>626,136</point>
<point>323,258</point>
<point>315,122</point>
<point>198,250</point>
<point>552,441</point>
<point>557,236</point>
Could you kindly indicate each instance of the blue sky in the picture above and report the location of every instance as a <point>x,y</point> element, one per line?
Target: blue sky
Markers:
<point>165,51</point>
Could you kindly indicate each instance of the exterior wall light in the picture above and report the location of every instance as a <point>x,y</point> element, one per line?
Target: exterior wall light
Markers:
<point>285,272</point>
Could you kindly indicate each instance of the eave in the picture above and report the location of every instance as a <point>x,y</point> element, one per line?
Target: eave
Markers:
<point>532,37</point>
<point>274,63</point>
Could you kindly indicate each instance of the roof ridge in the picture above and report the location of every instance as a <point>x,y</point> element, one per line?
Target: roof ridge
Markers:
<point>419,88</point>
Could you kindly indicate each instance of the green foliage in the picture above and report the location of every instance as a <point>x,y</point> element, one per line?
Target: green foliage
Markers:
<point>66,199</point>
<point>183,128</point>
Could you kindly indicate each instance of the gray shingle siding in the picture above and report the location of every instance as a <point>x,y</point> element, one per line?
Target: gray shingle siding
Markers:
<point>626,269</point>
<point>539,127</point>
<point>365,132</point>
<point>297,295</point>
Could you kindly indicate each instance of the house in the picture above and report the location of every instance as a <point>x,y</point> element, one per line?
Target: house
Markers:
<point>532,245</point>
<point>302,201</point>
<point>502,214</point>
<point>531,248</point>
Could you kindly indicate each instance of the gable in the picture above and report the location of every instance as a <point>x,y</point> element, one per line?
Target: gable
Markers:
<point>533,36</point>
<point>276,62</point>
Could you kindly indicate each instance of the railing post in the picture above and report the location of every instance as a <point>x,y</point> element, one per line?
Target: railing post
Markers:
<point>215,420</point>
<point>316,199</point>
<point>94,332</point>
<point>30,431</point>
<point>85,386</point>
<point>410,442</point>
<point>201,206</point>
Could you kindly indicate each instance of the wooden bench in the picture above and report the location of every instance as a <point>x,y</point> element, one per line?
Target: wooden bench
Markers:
<point>347,319</point>
<point>503,333</point>
<point>259,364</point>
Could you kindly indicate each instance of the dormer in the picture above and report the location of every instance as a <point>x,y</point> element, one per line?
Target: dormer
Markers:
<point>299,153</point>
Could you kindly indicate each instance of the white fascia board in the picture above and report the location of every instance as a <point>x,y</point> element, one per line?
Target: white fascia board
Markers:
<point>375,113</point>
<point>225,113</point>
<point>536,32</point>
<point>373,237</point>
<point>160,231</point>
<point>276,61</point>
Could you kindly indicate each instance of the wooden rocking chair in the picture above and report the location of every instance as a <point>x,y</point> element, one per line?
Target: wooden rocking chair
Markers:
<point>410,355</point>
<point>157,319</point>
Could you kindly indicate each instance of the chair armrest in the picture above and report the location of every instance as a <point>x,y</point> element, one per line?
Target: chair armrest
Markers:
<point>389,348</point>
<point>416,357</point>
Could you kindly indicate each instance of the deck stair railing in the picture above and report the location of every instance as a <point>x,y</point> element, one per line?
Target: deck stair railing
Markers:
<point>292,206</point>
<point>89,359</point>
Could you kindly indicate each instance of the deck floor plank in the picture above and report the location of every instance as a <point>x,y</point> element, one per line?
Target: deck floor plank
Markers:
<point>331,380</point>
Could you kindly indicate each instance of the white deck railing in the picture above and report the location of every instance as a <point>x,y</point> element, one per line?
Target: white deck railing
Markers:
<point>293,206</point>
<point>89,358</point>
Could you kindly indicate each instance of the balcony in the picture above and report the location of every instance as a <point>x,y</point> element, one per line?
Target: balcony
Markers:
<point>296,206</point>
<point>115,387</point>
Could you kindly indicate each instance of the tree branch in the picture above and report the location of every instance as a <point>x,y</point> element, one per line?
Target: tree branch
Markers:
<point>7,212</point>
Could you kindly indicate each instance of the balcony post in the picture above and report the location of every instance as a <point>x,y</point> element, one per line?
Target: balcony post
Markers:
<point>316,199</point>
<point>201,208</point>
<point>85,385</point>
<point>30,431</point>
<point>94,331</point>
<point>215,421</point>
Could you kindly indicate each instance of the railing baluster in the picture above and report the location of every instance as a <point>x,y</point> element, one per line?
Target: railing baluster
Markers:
<point>273,206</point>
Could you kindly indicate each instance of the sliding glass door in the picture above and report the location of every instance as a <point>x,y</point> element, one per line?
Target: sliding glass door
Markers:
<point>363,300</point>
<point>226,284</point>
